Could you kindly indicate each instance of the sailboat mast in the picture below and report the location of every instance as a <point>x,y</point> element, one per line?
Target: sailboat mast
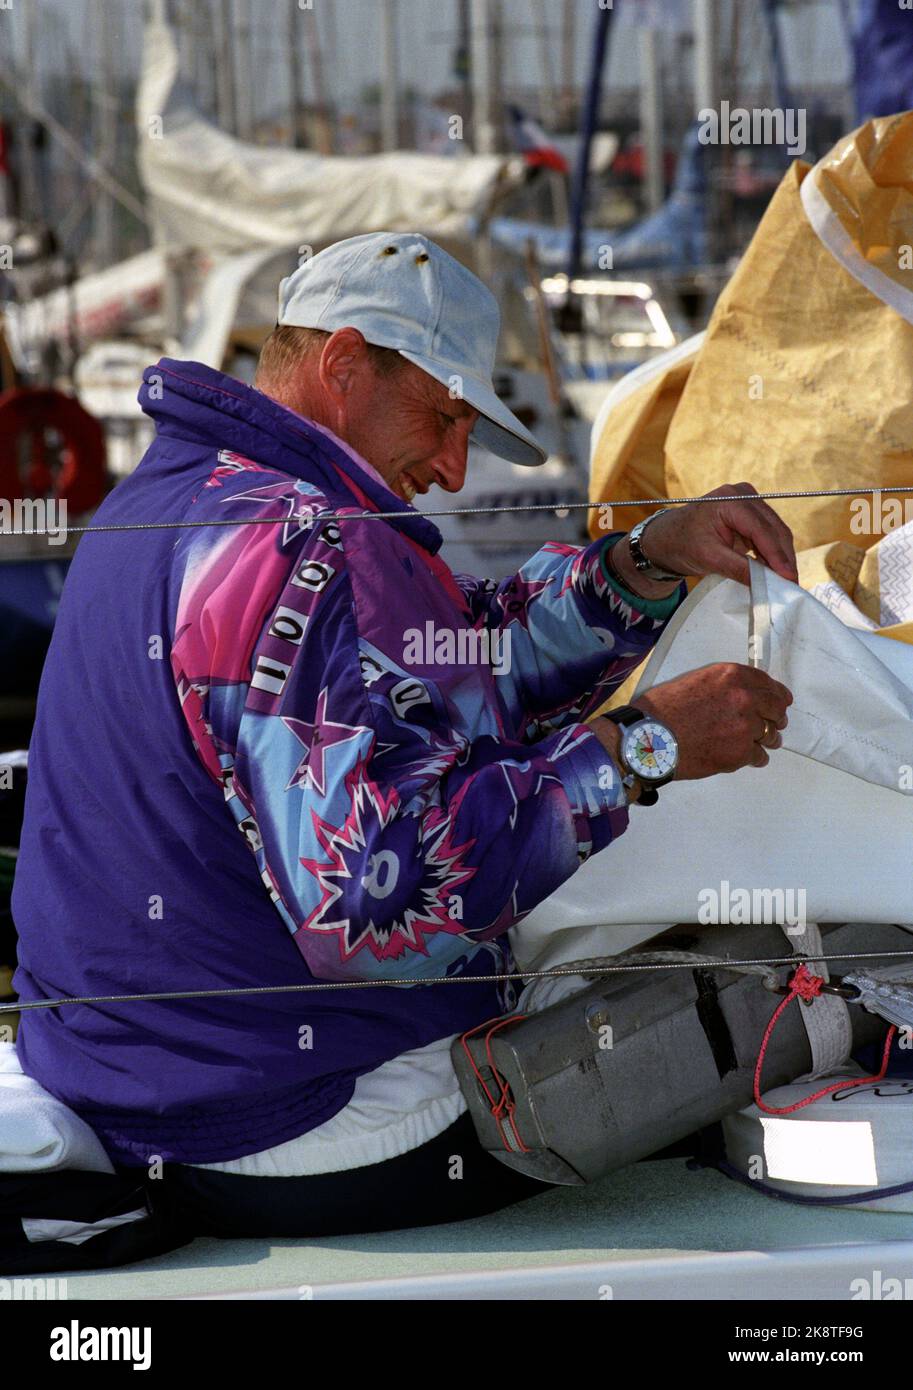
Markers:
<point>104,134</point>
<point>706,55</point>
<point>225,78</point>
<point>29,188</point>
<point>481,75</point>
<point>580,186</point>
<point>549,109</point>
<point>318,86</point>
<point>568,44</point>
<point>651,112</point>
<point>706,16</point>
<point>244,97</point>
<point>389,97</point>
<point>293,55</point>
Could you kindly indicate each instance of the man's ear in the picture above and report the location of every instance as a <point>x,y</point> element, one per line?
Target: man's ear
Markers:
<point>344,356</point>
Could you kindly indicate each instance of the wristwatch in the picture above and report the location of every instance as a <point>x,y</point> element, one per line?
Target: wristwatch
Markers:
<point>648,751</point>
<point>641,563</point>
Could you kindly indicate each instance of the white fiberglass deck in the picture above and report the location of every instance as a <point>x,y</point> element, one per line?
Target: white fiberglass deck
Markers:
<point>655,1230</point>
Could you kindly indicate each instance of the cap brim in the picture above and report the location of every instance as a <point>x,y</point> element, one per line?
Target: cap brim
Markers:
<point>497,428</point>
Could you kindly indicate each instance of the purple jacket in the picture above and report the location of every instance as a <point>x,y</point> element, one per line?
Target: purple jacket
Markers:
<point>400,749</point>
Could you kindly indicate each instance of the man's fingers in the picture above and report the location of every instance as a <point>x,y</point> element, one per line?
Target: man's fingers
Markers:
<point>729,559</point>
<point>767,686</point>
<point>767,535</point>
<point>767,734</point>
<point>773,711</point>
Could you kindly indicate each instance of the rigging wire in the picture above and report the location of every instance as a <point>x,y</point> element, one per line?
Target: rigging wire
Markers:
<point>323,517</point>
<point>556,972</point>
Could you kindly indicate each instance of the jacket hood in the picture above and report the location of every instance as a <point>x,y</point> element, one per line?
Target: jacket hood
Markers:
<point>188,400</point>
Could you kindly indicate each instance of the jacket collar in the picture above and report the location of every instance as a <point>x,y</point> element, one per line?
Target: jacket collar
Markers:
<point>191,401</point>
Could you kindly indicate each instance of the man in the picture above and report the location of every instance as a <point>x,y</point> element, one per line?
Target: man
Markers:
<point>252,666</point>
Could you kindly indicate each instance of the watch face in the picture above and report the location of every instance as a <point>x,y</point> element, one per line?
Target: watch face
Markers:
<point>650,750</point>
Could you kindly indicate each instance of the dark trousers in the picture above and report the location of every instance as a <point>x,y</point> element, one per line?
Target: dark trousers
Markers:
<point>450,1178</point>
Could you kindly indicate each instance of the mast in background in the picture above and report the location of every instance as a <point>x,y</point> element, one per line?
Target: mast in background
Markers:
<point>244,95</point>
<point>324,129</point>
<point>706,50</point>
<point>651,111</point>
<point>104,134</point>
<point>568,46</point>
<point>331,65</point>
<point>549,105</point>
<point>293,56</point>
<point>29,201</point>
<point>389,89</point>
<point>462,61</point>
<point>706,15</point>
<point>778,65</point>
<point>226,108</point>
<point>481,73</point>
<point>579,191</point>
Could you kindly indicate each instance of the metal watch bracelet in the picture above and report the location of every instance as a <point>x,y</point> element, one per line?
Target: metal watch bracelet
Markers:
<point>642,564</point>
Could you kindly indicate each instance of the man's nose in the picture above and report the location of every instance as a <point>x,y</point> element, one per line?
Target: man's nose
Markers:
<point>449,466</point>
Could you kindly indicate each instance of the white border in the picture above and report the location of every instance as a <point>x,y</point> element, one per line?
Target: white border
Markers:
<point>831,232</point>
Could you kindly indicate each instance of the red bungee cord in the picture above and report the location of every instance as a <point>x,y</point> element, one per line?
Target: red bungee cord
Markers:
<point>804,985</point>
<point>504,1106</point>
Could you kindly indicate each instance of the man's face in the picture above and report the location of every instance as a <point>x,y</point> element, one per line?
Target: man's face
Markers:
<point>409,428</point>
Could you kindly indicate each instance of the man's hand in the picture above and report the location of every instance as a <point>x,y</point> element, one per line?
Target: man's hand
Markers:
<point>724,717</point>
<point>714,538</point>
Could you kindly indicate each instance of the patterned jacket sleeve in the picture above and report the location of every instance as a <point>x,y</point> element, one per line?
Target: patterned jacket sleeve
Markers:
<point>394,835</point>
<point>572,633</point>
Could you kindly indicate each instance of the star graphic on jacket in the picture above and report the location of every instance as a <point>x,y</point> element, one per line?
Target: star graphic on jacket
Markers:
<point>317,737</point>
<point>516,597</point>
<point>304,502</point>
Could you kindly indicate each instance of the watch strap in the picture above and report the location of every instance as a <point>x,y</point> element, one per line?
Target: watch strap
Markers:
<point>642,564</point>
<point>624,714</point>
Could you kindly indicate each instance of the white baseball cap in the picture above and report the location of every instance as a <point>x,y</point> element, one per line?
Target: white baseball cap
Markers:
<point>402,291</point>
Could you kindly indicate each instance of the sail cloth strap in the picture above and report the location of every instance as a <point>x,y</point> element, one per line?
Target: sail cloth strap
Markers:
<point>826,1017</point>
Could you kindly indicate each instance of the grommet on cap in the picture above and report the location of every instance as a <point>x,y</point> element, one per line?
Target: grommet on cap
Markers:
<point>422,257</point>
<point>390,251</point>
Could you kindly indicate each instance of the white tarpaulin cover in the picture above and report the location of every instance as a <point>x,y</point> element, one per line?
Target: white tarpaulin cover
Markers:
<point>208,189</point>
<point>831,814</point>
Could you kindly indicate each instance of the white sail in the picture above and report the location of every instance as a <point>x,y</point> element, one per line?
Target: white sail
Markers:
<point>206,188</point>
<point>831,816</point>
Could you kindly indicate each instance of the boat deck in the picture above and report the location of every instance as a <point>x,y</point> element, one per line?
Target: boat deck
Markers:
<point>654,1230</point>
